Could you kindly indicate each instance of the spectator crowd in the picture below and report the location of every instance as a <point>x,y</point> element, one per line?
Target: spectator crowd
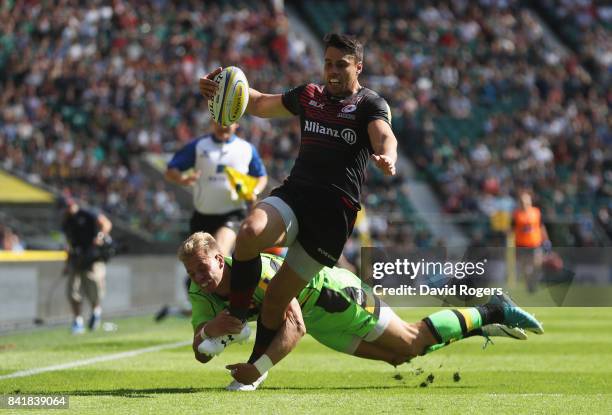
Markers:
<point>488,102</point>
<point>85,89</point>
<point>484,99</point>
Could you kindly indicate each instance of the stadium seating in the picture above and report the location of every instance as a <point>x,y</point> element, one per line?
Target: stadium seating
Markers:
<point>486,102</point>
<point>78,116</point>
<point>86,90</point>
<point>480,93</point>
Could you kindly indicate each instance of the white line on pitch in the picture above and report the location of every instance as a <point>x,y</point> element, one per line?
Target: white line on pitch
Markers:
<point>93,360</point>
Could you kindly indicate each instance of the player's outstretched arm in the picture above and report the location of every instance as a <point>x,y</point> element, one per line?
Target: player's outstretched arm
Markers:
<point>384,144</point>
<point>266,105</point>
<point>290,333</point>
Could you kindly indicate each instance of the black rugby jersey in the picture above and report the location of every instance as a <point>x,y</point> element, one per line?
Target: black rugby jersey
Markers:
<point>335,145</point>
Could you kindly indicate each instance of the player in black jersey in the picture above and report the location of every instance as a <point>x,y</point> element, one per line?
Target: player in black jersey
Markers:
<point>343,125</point>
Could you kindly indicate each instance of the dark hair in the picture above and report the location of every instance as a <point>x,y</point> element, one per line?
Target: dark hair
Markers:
<point>346,43</point>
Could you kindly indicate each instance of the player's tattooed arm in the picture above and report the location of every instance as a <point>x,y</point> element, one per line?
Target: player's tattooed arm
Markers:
<point>266,105</point>
<point>384,144</point>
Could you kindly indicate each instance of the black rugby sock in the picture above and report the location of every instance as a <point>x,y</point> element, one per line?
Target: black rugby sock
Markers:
<point>244,279</point>
<point>263,339</point>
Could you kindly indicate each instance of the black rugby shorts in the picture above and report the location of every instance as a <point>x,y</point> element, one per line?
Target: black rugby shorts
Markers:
<point>211,223</point>
<point>325,219</point>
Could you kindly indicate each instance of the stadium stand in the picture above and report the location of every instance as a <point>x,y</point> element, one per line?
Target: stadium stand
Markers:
<point>480,92</point>
<point>80,108</point>
<point>488,102</point>
<point>585,26</point>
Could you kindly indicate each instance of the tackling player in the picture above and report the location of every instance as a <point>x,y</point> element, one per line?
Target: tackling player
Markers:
<point>334,307</point>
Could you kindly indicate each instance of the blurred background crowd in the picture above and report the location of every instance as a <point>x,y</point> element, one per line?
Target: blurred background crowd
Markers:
<point>488,98</point>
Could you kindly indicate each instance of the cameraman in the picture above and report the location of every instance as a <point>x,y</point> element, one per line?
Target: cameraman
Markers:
<point>86,232</point>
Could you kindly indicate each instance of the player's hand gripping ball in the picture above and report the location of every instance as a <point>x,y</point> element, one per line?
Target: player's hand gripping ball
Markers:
<point>232,97</point>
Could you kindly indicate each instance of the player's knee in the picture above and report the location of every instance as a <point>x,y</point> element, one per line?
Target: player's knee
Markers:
<point>250,230</point>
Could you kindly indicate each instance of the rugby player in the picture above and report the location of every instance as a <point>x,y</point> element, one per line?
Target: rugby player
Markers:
<point>343,124</point>
<point>334,307</point>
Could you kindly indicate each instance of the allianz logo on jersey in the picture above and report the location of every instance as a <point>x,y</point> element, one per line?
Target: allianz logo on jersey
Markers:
<point>347,134</point>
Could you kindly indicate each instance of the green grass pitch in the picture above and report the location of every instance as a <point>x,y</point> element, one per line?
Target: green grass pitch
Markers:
<point>567,370</point>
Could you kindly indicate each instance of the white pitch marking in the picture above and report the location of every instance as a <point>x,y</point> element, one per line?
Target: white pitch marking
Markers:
<point>106,358</point>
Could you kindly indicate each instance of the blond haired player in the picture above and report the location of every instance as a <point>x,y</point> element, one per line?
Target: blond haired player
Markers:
<point>334,307</point>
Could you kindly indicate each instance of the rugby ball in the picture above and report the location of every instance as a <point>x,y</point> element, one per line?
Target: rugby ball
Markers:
<point>232,97</point>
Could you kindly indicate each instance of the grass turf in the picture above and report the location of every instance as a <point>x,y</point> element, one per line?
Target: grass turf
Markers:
<point>567,370</point>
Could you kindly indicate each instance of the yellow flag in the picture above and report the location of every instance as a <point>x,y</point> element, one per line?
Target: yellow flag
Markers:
<point>363,225</point>
<point>242,183</point>
<point>501,221</point>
